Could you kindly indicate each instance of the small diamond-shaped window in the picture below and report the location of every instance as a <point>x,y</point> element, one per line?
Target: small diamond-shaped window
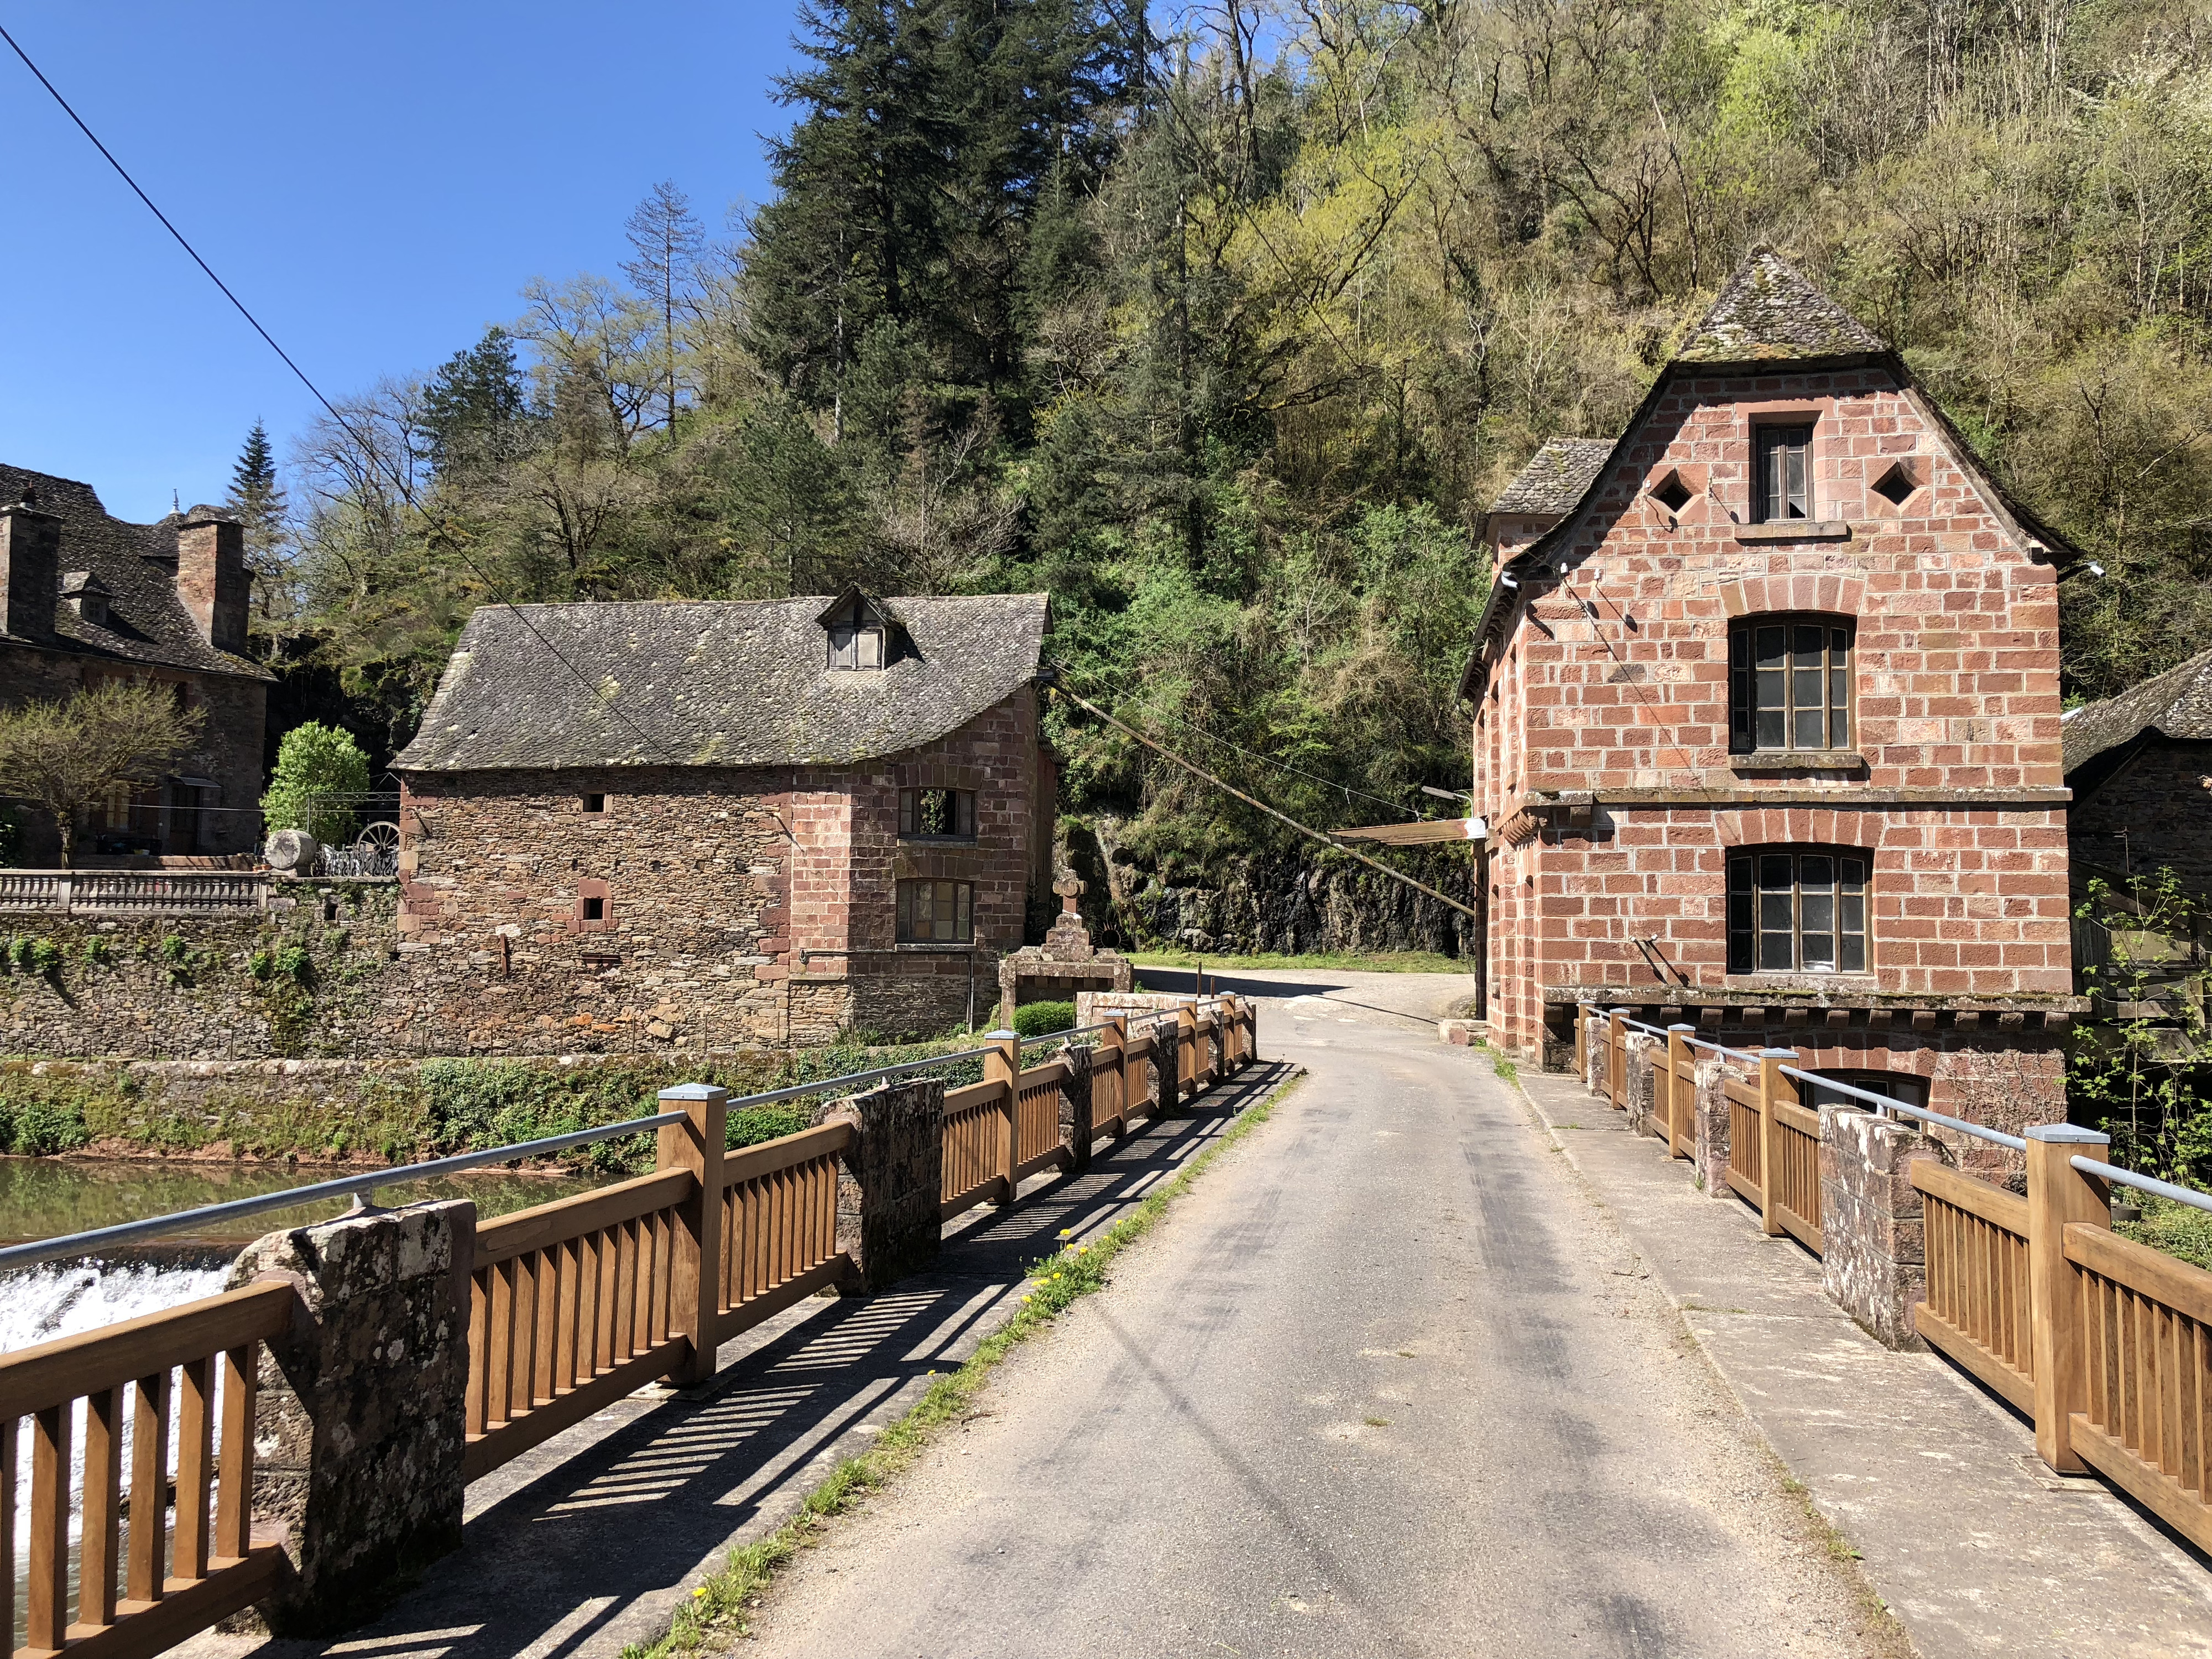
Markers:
<point>1672,493</point>
<point>1897,484</point>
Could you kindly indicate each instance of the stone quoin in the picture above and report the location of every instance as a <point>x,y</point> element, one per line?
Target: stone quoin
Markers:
<point>1766,724</point>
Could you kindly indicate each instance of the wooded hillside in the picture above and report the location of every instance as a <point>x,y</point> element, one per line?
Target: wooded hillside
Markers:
<point>1226,337</point>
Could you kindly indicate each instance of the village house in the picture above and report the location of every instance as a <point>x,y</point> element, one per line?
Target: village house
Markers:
<point>717,825</point>
<point>1766,727</point>
<point>2139,766</point>
<point>87,598</point>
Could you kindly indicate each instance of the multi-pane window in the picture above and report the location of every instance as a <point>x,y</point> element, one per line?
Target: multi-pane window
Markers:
<point>1890,1085</point>
<point>1784,474</point>
<point>1789,684</point>
<point>933,912</point>
<point>1796,909</point>
<point>946,813</point>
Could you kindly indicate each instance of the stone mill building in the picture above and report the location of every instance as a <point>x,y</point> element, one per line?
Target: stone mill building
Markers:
<point>724,824</point>
<point>1767,725</point>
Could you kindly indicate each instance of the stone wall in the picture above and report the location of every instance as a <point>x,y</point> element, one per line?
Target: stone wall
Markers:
<point>890,1183</point>
<point>698,908</point>
<point>2154,813</point>
<point>1873,1257</point>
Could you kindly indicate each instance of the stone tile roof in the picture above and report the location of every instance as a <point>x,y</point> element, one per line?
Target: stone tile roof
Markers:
<point>720,683</point>
<point>2177,703</point>
<point>137,563</point>
<point>1770,312</point>
<point>1557,477</point>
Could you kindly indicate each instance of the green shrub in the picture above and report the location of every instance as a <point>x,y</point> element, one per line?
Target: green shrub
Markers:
<point>318,766</point>
<point>2177,1229</point>
<point>261,965</point>
<point>46,957</point>
<point>96,953</point>
<point>294,963</point>
<point>19,954</point>
<point>174,949</point>
<point>1039,1018</point>
<point>40,1129</point>
<point>754,1124</point>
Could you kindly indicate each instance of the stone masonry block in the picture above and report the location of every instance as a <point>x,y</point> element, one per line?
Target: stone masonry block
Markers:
<point>359,1423</point>
<point>1639,1093</point>
<point>1710,1132</point>
<point>1873,1260</point>
<point>1075,1125</point>
<point>890,1180</point>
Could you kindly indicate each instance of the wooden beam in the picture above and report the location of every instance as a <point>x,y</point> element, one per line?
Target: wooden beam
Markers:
<point>1418,833</point>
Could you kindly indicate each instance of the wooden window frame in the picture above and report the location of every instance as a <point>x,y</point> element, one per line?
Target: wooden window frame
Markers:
<point>961,895</point>
<point>1750,918</point>
<point>1839,721</point>
<point>1771,447</point>
<point>854,638</point>
<point>963,804</point>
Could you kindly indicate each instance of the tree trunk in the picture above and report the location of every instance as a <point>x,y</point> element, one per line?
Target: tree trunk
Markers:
<point>65,824</point>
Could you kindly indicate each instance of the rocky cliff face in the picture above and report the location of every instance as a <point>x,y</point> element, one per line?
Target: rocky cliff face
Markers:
<point>1275,903</point>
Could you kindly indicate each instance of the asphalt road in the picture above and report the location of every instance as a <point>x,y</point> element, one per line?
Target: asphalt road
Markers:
<point>1387,1382</point>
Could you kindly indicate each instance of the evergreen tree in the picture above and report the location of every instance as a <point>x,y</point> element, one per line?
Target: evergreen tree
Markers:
<point>474,412</point>
<point>257,500</point>
<point>668,242</point>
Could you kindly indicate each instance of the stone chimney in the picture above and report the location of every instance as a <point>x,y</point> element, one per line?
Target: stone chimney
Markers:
<point>211,577</point>
<point>30,562</point>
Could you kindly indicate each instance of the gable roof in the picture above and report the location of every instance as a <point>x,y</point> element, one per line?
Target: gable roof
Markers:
<point>743,682</point>
<point>1770,310</point>
<point>2175,704</point>
<point>137,563</point>
<point>1767,312</point>
<point>1557,476</point>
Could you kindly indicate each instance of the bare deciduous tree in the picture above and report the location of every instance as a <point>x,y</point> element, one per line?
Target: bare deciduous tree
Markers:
<point>66,757</point>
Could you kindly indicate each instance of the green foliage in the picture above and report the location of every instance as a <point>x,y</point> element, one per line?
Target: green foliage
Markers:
<point>39,1129</point>
<point>46,957</point>
<point>96,952</point>
<point>296,964</point>
<point>2141,957</point>
<point>173,950</point>
<point>261,965</point>
<point>1042,1018</point>
<point>20,949</point>
<point>319,768</point>
<point>70,756</point>
<point>2179,1230</point>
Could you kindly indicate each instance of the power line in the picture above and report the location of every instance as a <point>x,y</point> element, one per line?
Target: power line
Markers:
<point>368,448</point>
<point>1344,789</point>
<point>1325,840</point>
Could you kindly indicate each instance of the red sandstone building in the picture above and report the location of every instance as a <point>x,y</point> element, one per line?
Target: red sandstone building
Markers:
<point>1767,724</point>
<point>716,825</point>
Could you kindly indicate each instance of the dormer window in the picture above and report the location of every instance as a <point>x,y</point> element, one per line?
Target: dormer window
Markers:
<point>859,631</point>
<point>87,596</point>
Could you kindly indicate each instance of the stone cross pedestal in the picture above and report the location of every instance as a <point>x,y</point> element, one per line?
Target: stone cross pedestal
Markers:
<point>1064,964</point>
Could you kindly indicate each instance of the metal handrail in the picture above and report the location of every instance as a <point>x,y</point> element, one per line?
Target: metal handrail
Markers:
<point>127,1232</point>
<point>1657,1031</point>
<point>1884,1105</point>
<point>2143,1183</point>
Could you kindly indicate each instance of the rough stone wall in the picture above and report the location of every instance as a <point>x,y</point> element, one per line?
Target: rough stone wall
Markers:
<point>1075,1124</point>
<point>890,1183</point>
<point>737,906</point>
<point>1615,680</point>
<point>1710,1154</point>
<point>358,1424</point>
<point>1290,906</point>
<point>2154,811</point>
<point>1873,1246</point>
<point>1640,1090</point>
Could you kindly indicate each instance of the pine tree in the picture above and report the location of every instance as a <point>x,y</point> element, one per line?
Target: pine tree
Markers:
<point>257,500</point>
<point>474,412</point>
<point>669,242</point>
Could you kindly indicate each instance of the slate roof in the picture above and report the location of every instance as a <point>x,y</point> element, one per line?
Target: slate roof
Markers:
<point>1557,477</point>
<point>2176,704</point>
<point>147,622</point>
<point>1770,312</point>
<point>720,683</point>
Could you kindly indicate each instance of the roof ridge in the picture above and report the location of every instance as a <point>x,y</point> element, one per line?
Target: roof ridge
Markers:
<point>1770,310</point>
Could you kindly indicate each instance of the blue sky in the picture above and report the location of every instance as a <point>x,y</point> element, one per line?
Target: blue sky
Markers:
<point>376,182</point>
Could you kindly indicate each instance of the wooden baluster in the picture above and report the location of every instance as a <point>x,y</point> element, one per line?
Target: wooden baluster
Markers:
<point>9,1429</point>
<point>51,1431</point>
<point>233,1515</point>
<point>149,1480</point>
<point>499,1346</point>
<point>103,1491</point>
<point>479,1349</point>
<point>545,1323</point>
<point>607,1242</point>
<point>195,1461</point>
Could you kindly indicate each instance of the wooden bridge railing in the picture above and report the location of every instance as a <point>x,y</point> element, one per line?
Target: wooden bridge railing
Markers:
<point>2104,1343</point>
<point>572,1306</point>
<point>139,1587</point>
